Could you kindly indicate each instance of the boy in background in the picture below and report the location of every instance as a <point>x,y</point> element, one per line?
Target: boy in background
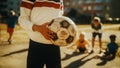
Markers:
<point>96,31</point>
<point>111,50</point>
<point>11,22</point>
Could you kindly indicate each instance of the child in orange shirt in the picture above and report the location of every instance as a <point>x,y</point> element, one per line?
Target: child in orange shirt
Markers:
<point>83,44</point>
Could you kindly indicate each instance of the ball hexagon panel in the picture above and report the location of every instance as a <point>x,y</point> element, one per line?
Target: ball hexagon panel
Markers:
<point>63,33</point>
<point>70,39</point>
<point>60,42</point>
<point>64,24</point>
<point>55,37</point>
<point>54,26</point>
<point>72,30</point>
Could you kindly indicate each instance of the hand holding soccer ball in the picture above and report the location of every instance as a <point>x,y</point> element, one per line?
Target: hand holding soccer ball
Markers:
<point>64,31</point>
<point>47,33</point>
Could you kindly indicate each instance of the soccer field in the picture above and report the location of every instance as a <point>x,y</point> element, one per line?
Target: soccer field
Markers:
<point>14,55</point>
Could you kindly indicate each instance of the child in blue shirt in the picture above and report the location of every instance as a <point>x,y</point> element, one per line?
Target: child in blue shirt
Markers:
<point>11,22</point>
<point>110,51</point>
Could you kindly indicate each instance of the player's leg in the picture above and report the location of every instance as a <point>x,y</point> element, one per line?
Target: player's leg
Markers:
<point>10,32</point>
<point>93,40</point>
<point>100,41</point>
<point>82,50</point>
<point>35,57</point>
<point>53,57</point>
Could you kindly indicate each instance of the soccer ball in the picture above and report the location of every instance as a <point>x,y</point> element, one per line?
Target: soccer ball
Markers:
<point>64,31</point>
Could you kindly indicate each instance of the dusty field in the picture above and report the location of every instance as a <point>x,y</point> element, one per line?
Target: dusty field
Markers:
<point>14,55</point>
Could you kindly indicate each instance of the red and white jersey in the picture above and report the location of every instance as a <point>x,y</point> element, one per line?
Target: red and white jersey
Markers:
<point>39,12</point>
<point>45,11</point>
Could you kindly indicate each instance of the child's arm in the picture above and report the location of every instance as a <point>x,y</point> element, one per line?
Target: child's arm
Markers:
<point>100,29</point>
<point>88,46</point>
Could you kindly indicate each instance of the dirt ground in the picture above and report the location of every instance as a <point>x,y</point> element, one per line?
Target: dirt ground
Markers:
<point>14,55</point>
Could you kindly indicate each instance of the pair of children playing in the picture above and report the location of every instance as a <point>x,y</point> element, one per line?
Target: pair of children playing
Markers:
<point>83,46</point>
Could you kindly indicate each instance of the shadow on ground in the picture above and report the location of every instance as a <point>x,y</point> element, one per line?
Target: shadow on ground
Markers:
<point>78,63</point>
<point>15,52</point>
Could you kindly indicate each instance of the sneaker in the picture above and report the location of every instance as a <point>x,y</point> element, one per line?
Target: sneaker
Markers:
<point>66,57</point>
<point>76,53</point>
<point>101,63</point>
<point>100,52</point>
<point>9,41</point>
<point>91,52</point>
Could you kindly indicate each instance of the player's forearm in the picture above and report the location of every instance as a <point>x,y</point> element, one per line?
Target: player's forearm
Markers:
<point>25,11</point>
<point>25,23</point>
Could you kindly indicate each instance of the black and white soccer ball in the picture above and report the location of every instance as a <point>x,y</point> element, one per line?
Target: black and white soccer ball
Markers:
<point>65,31</point>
